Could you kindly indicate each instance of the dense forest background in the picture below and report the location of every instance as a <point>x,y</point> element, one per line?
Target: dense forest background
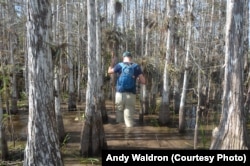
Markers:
<point>141,28</point>
<point>180,45</point>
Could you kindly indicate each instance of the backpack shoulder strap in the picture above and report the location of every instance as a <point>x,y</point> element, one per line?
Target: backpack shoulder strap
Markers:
<point>122,64</point>
<point>134,64</point>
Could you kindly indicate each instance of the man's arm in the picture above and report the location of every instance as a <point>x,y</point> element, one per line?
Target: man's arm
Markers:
<point>110,70</point>
<point>142,79</point>
<point>111,67</point>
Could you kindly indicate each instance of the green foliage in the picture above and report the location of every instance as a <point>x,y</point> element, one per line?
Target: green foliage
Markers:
<point>151,68</point>
<point>154,122</point>
<point>64,96</point>
<point>4,121</point>
<point>5,89</point>
<point>16,154</point>
<point>203,136</point>
<point>23,96</point>
<point>65,140</point>
<point>112,37</point>
<point>90,160</point>
<point>173,71</point>
<point>156,109</point>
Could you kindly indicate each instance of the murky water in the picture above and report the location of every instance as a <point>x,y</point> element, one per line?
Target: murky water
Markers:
<point>146,135</point>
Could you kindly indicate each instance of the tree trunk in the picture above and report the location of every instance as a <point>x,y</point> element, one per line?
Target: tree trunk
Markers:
<point>70,59</point>
<point>13,109</point>
<point>136,52</point>
<point>232,130</point>
<point>142,28</point>
<point>246,57</point>
<point>207,78</point>
<point>114,50</point>
<point>143,92</point>
<point>176,91</point>
<point>57,90</point>
<point>197,119</point>
<point>79,55</point>
<point>92,137</point>
<point>185,81</point>
<point>143,101</point>
<point>13,43</point>
<point>247,101</point>
<point>3,141</point>
<point>164,114</point>
<point>42,140</point>
<point>59,117</point>
<point>100,67</point>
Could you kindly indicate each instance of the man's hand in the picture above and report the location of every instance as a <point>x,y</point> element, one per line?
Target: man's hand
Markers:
<point>110,70</point>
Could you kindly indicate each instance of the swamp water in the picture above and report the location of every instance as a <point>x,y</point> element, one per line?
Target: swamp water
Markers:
<point>146,135</point>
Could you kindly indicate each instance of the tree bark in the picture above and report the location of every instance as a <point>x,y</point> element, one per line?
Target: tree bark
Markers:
<point>70,59</point>
<point>232,130</point>
<point>164,114</point>
<point>59,116</point>
<point>136,52</point>
<point>13,43</point>
<point>100,67</point>
<point>143,88</point>
<point>185,81</point>
<point>3,141</point>
<point>197,119</point>
<point>57,77</point>
<point>42,140</point>
<point>92,136</point>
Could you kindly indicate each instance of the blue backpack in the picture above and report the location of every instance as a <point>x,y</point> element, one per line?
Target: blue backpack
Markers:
<point>127,80</point>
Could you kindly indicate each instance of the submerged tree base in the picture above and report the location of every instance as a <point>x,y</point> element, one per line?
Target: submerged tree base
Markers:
<point>93,137</point>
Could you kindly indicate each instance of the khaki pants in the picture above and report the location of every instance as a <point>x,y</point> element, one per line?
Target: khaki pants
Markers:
<point>125,108</point>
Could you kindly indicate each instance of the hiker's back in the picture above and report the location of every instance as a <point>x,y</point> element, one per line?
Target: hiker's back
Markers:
<point>127,80</point>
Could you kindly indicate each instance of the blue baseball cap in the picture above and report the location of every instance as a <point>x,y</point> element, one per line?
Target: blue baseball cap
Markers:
<point>126,53</point>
